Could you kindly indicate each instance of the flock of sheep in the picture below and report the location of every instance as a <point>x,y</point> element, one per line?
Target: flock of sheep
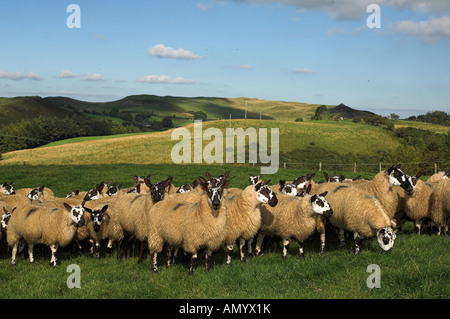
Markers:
<point>209,214</point>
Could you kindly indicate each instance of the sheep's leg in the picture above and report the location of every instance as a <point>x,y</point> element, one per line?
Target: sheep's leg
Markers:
<point>141,252</point>
<point>53,260</point>
<point>154,262</point>
<point>358,242</point>
<point>286,242</point>
<point>241,249</point>
<point>169,250</point>
<point>417,226</point>
<point>119,249</point>
<point>259,241</point>
<point>322,243</point>
<point>97,250</point>
<point>208,254</point>
<point>109,247</point>
<point>92,246</point>
<point>229,253</point>
<point>30,253</point>
<point>193,263</point>
<point>300,249</point>
<point>14,253</point>
<point>249,248</point>
<point>173,259</point>
<point>342,237</point>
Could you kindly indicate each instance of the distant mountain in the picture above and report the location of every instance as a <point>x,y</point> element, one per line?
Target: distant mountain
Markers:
<point>347,112</point>
<point>28,107</point>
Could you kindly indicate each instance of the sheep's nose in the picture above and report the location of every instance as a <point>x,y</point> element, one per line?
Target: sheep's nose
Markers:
<point>328,213</point>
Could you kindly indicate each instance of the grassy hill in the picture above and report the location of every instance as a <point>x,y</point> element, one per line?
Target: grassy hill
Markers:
<point>28,107</point>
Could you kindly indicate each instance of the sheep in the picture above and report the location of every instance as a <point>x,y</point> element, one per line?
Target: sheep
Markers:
<point>293,216</point>
<point>24,197</point>
<point>359,212</point>
<point>440,175</point>
<point>188,187</point>
<point>5,218</point>
<point>244,216</point>
<point>189,225</point>
<point>131,211</point>
<point>103,224</point>
<point>42,225</point>
<point>381,187</point>
<point>440,205</point>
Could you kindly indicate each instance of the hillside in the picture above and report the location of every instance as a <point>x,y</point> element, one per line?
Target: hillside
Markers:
<point>23,108</point>
<point>344,111</point>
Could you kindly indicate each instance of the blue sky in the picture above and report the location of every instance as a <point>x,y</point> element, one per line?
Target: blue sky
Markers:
<point>313,51</point>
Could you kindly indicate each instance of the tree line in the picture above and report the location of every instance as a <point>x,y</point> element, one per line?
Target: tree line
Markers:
<point>43,130</point>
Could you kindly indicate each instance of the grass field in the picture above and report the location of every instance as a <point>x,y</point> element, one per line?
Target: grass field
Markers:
<point>417,267</point>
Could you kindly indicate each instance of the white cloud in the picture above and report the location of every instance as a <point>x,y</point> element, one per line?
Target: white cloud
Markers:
<point>162,51</point>
<point>304,70</point>
<point>203,6</point>
<point>93,77</point>
<point>353,10</point>
<point>20,76</point>
<point>66,74</point>
<point>429,31</point>
<point>165,79</point>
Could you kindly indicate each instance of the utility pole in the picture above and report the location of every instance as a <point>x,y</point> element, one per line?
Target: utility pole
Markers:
<point>246,110</point>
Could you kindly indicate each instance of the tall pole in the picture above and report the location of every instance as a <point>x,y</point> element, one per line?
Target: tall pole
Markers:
<point>245,109</point>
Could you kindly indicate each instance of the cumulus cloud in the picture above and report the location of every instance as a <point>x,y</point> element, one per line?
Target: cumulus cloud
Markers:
<point>304,70</point>
<point>165,79</point>
<point>20,76</point>
<point>66,74</point>
<point>429,31</point>
<point>93,77</point>
<point>162,51</point>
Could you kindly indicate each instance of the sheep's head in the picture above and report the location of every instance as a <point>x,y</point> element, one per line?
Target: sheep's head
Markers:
<point>113,190</point>
<point>76,213</point>
<point>157,190</point>
<point>413,182</point>
<point>216,181</point>
<point>386,238</point>
<point>5,219</point>
<point>186,188</point>
<point>75,192</point>
<point>397,178</point>
<point>8,189</point>
<point>333,179</point>
<point>320,205</point>
<point>302,182</point>
<point>36,193</point>
<point>95,193</point>
<point>214,190</point>
<point>97,216</point>
<point>265,194</point>
<point>253,180</point>
<point>292,190</point>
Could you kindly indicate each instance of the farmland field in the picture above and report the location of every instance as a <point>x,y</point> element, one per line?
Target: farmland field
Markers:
<point>417,267</point>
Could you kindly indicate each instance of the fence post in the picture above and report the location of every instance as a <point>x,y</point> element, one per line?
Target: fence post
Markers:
<point>354,168</point>
<point>379,166</point>
<point>285,165</point>
<point>320,166</point>
<point>435,168</point>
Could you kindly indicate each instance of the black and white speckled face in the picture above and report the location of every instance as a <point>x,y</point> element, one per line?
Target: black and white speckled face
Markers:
<point>265,194</point>
<point>113,190</point>
<point>253,180</point>
<point>157,191</point>
<point>5,219</point>
<point>386,238</point>
<point>36,193</point>
<point>75,192</point>
<point>8,189</point>
<point>320,205</point>
<point>289,189</point>
<point>97,217</point>
<point>397,178</point>
<point>76,213</point>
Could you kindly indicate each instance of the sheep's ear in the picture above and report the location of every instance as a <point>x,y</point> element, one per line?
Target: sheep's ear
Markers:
<point>148,182</point>
<point>282,183</point>
<point>41,188</point>
<point>203,182</point>
<point>324,194</point>
<point>4,209</point>
<point>310,176</point>
<point>87,209</point>
<point>356,178</point>
<point>135,178</point>
<point>208,176</point>
<point>138,187</point>
<point>13,210</point>
<point>168,181</point>
<point>308,189</point>
<point>226,175</point>
<point>68,207</point>
<point>342,177</point>
<point>225,184</point>
<point>195,184</point>
<point>390,169</point>
<point>419,174</point>
<point>398,166</point>
<point>104,208</point>
<point>325,174</point>
<point>76,191</point>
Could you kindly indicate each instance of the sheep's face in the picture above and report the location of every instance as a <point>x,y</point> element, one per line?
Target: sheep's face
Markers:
<point>214,196</point>
<point>5,219</point>
<point>97,217</point>
<point>397,178</point>
<point>113,190</point>
<point>320,205</point>
<point>74,193</point>
<point>76,213</point>
<point>253,180</point>
<point>36,194</point>
<point>265,194</point>
<point>157,190</point>
<point>92,194</point>
<point>8,189</point>
<point>386,238</point>
<point>186,188</point>
<point>290,190</point>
